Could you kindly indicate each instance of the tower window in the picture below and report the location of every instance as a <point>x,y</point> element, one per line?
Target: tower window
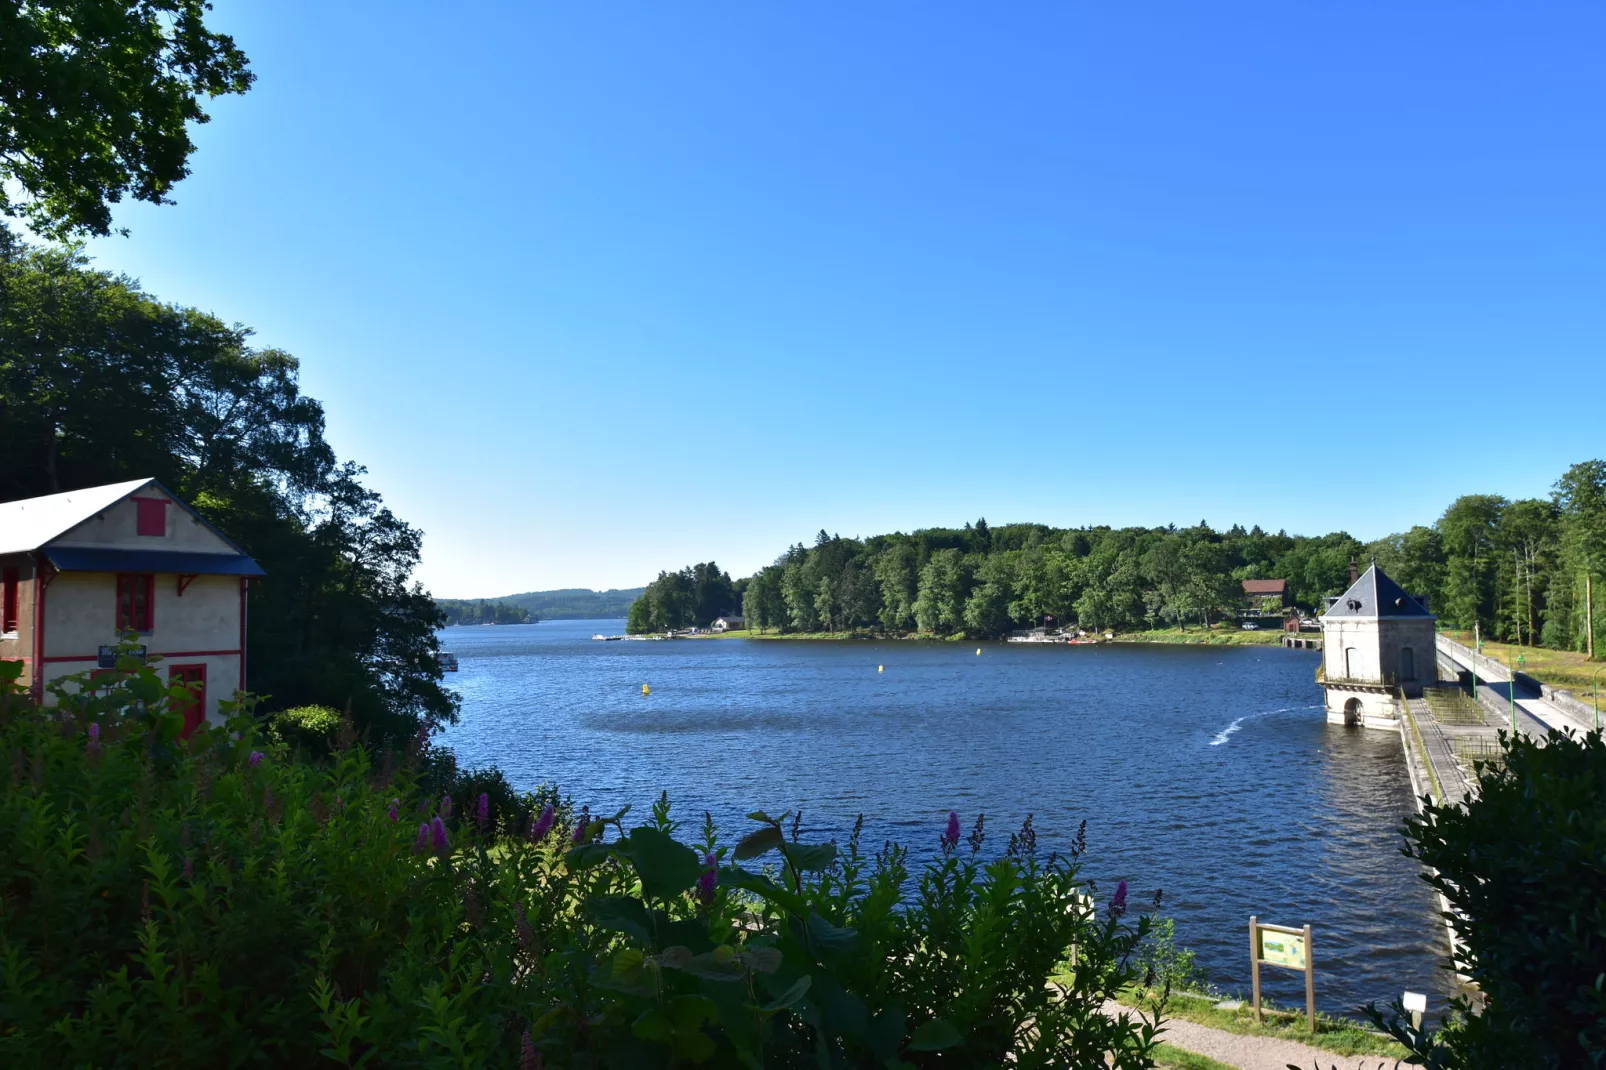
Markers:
<point>1407,663</point>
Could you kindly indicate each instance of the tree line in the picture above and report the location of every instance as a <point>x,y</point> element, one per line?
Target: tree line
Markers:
<point>1518,569</point>
<point>479,611</point>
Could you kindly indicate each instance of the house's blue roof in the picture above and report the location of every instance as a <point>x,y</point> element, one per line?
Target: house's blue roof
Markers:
<point>108,559</point>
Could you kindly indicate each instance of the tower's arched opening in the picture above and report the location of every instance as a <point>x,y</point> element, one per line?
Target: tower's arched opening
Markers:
<point>1352,713</point>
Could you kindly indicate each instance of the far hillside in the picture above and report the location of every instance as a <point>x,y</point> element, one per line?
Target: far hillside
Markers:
<point>575,603</point>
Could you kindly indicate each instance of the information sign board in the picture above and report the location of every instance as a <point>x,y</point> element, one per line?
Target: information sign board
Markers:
<point>1278,945</point>
<point>1283,949</point>
<point>106,656</point>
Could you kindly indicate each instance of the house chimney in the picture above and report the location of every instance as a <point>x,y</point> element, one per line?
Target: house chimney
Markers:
<point>1353,575</point>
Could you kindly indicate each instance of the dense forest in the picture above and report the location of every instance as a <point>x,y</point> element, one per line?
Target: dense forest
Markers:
<point>338,620</point>
<point>575,603</point>
<point>1520,569</point>
<point>479,611</point>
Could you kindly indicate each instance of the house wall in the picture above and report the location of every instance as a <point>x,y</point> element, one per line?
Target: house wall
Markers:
<point>117,527</point>
<point>1375,710</point>
<point>202,626</point>
<point>18,645</point>
<point>1351,633</point>
<point>1376,646</point>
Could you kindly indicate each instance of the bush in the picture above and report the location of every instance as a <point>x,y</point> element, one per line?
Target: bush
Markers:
<point>217,901</point>
<point>1521,864</point>
<point>314,729</point>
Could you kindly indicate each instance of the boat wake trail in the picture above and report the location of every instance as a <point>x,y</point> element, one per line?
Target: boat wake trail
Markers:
<point>1226,733</point>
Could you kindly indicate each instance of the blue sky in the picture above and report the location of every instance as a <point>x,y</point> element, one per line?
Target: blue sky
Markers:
<point>600,289</point>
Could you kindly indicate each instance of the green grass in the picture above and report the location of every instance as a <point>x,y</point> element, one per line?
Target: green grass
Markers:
<point>1342,1036</point>
<point>1171,1057</point>
<point>1220,635</point>
<point>1559,668</point>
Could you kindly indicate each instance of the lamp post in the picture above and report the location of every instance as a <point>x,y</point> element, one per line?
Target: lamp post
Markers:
<point>1512,691</point>
<point>1594,685</point>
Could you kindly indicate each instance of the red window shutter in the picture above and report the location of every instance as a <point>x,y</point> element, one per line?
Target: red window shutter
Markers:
<point>9,584</point>
<point>152,518</point>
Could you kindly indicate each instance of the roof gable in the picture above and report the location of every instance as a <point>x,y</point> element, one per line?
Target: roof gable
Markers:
<point>1376,595</point>
<point>1265,586</point>
<point>30,523</point>
<point>60,526</point>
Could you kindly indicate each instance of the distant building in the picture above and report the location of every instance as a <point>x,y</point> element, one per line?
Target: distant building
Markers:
<point>1378,643</point>
<point>80,570</point>
<point>729,624</point>
<point>1266,598</point>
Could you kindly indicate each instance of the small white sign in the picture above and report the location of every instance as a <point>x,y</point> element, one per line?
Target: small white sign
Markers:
<point>1416,1002</point>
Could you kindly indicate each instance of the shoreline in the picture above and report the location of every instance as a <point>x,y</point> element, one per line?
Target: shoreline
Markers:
<point>1169,636</point>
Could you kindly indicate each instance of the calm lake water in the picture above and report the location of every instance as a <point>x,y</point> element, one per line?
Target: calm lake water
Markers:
<point>1208,772</point>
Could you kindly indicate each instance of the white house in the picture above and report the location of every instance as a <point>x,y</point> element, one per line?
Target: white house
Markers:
<point>79,570</point>
<point>728,624</point>
<point>1377,642</point>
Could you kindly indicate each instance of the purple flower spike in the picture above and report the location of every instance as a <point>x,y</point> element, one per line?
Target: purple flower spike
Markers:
<point>446,806</point>
<point>93,746</point>
<point>438,840</point>
<point>708,881</point>
<point>543,825</point>
<point>1118,901</point>
<point>950,836</point>
<point>395,810</point>
<point>482,815</point>
<point>255,759</point>
<point>421,844</point>
<point>580,825</point>
<point>529,1058</point>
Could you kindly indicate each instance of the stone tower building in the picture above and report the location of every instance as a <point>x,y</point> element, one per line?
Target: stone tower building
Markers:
<point>1377,641</point>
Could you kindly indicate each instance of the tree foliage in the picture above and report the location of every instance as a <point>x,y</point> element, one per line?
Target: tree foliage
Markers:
<point>693,597</point>
<point>96,101</point>
<point>99,382</point>
<point>479,611</point>
<point>1520,864</point>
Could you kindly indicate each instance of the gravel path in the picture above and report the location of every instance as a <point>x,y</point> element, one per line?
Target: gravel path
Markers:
<point>1257,1053</point>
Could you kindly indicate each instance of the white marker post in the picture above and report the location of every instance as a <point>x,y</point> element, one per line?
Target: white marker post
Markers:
<point>1277,945</point>
<point>1417,1004</point>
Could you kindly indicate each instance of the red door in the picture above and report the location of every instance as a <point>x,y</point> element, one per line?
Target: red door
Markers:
<point>193,677</point>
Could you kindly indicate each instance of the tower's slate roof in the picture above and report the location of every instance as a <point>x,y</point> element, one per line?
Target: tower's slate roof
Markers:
<point>1375,595</point>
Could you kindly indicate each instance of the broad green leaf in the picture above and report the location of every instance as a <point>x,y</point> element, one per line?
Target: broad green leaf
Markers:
<point>712,966</point>
<point>886,1031</point>
<point>935,1035</point>
<point>763,887</point>
<point>761,959</point>
<point>666,867</point>
<point>623,914</point>
<point>654,1025</point>
<point>790,997</point>
<point>828,937</point>
<point>587,855</point>
<point>758,842</point>
<point>812,857</point>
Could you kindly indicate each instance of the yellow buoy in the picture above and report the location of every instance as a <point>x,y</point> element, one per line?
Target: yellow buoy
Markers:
<point>880,668</point>
<point>978,652</point>
<point>645,690</point>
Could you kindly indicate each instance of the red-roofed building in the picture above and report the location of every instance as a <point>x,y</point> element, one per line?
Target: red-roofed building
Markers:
<point>1267,598</point>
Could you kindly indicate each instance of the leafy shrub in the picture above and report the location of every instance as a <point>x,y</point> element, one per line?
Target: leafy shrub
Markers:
<point>218,902</point>
<point>1521,864</point>
<point>314,729</point>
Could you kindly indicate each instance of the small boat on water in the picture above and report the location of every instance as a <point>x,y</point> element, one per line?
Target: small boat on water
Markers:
<point>447,661</point>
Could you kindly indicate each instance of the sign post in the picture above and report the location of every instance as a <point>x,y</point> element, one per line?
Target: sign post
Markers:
<point>1277,945</point>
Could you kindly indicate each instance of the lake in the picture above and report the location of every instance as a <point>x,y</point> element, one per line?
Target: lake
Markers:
<point>1209,772</point>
